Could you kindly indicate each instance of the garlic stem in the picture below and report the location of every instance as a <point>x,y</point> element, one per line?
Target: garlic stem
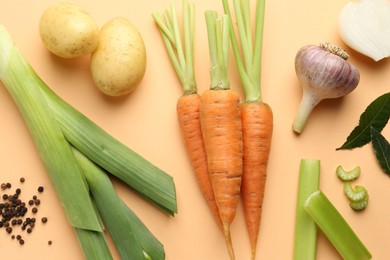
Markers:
<point>305,108</point>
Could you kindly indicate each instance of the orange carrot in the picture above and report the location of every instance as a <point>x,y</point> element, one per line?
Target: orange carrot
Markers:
<point>257,118</point>
<point>220,121</point>
<point>257,126</point>
<point>187,108</point>
<point>222,133</point>
<point>188,115</point>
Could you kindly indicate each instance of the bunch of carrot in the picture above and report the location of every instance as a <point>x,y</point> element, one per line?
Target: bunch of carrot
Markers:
<point>228,143</point>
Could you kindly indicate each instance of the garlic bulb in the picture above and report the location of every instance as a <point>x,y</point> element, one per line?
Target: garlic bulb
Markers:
<point>323,72</point>
<point>364,26</point>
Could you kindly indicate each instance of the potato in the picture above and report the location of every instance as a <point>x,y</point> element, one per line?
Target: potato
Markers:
<point>68,31</point>
<point>118,64</point>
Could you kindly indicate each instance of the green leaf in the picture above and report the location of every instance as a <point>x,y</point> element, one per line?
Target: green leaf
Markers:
<point>376,115</point>
<point>381,149</point>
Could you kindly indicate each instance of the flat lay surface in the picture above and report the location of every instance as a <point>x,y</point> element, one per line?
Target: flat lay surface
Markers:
<point>146,121</point>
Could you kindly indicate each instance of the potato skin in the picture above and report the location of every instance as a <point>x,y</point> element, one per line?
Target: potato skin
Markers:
<point>68,30</point>
<point>119,62</point>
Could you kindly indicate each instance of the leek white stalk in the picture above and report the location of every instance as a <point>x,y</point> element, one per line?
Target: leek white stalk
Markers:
<point>365,27</point>
<point>20,80</point>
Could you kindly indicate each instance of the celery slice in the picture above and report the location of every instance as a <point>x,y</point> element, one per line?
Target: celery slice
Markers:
<point>21,82</point>
<point>335,227</point>
<point>305,241</point>
<point>131,237</point>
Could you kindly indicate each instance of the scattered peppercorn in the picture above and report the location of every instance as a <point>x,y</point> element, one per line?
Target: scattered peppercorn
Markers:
<point>13,211</point>
<point>50,242</point>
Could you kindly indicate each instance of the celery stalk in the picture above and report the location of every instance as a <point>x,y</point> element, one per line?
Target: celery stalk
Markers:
<point>305,241</point>
<point>20,80</point>
<point>335,227</point>
<point>132,239</point>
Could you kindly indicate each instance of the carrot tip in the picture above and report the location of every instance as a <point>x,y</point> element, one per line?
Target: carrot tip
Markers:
<point>228,240</point>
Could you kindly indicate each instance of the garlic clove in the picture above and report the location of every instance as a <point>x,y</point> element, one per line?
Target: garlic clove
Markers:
<point>364,26</point>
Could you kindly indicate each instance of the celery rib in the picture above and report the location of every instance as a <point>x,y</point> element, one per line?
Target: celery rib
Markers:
<point>305,239</point>
<point>335,227</point>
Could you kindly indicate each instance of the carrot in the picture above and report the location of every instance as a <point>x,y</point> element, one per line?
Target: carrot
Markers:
<point>221,127</point>
<point>257,125</point>
<point>189,121</point>
<point>257,117</point>
<point>188,104</point>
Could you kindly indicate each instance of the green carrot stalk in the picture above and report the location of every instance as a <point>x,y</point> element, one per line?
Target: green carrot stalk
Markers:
<point>335,227</point>
<point>305,240</point>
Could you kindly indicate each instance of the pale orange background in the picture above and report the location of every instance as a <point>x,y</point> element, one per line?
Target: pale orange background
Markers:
<point>146,122</point>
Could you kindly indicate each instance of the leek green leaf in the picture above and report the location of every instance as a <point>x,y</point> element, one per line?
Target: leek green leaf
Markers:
<point>376,115</point>
<point>381,149</point>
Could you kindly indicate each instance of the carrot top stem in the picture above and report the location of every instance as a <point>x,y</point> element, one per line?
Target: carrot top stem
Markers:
<point>180,53</point>
<point>248,59</point>
<point>218,38</point>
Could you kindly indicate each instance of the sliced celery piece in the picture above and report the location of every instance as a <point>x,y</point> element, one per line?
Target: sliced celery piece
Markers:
<point>131,237</point>
<point>305,240</point>
<point>335,227</point>
<point>93,244</point>
<point>21,82</point>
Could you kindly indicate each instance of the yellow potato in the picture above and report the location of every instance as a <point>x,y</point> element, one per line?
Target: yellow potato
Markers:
<point>68,31</point>
<point>118,64</point>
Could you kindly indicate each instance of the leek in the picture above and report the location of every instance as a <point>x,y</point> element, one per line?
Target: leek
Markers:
<point>93,244</point>
<point>148,180</point>
<point>131,237</point>
<point>119,160</point>
<point>305,241</point>
<point>334,226</point>
<point>20,80</point>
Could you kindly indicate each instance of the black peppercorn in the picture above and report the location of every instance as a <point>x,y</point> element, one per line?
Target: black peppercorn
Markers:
<point>40,189</point>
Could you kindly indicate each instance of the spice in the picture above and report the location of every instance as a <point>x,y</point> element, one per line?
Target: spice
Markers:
<point>50,242</point>
<point>22,179</point>
<point>13,211</point>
